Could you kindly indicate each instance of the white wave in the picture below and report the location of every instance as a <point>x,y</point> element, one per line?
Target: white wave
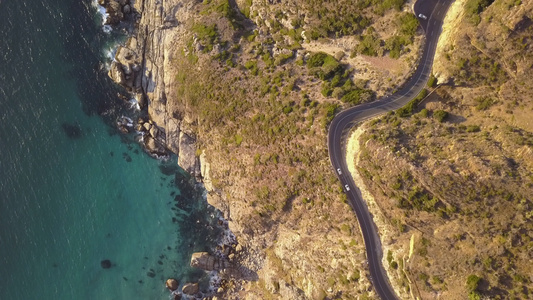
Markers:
<point>103,16</point>
<point>134,104</point>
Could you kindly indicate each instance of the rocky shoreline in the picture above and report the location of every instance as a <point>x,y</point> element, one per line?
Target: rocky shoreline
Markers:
<point>140,68</point>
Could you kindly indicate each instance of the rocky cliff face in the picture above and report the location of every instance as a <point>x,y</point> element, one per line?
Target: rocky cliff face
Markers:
<point>144,67</point>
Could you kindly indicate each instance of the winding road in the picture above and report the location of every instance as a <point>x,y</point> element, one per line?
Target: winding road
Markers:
<point>435,10</point>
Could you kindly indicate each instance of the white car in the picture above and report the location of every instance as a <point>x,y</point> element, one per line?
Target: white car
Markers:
<point>422,16</point>
<point>347,188</point>
<point>339,171</point>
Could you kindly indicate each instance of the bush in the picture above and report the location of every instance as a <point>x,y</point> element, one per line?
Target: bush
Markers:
<point>408,23</point>
<point>474,8</point>
<point>432,81</point>
<point>395,45</point>
<point>238,139</point>
<point>206,34</point>
<point>369,45</point>
<point>410,107</point>
<point>440,115</point>
<point>357,96</point>
<point>472,282</point>
<point>394,265</point>
<point>473,128</point>
<point>252,66</point>
<point>316,60</point>
<point>483,103</point>
<point>330,110</point>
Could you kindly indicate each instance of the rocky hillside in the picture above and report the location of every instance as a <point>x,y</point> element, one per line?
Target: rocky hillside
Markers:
<point>453,176</point>
<point>243,91</point>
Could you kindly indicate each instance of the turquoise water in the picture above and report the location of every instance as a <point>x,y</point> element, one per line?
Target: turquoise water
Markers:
<point>73,191</point>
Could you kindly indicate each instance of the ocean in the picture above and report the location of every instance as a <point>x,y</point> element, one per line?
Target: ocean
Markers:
<point>73,190</point>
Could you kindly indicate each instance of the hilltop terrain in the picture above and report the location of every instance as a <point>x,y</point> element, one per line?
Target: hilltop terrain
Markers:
<point>451,177</point>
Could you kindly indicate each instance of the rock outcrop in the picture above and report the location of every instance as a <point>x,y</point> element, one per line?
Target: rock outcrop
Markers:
<point>117,10</point>
<point>207,262</point>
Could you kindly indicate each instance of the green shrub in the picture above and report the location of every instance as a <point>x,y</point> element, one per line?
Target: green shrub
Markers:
<point>473,128</point>
<point>394,265</point>
<point>440,115</point>
<point>395,45</point>
<point>357,96</point>
<point>410,107</point>
<point>472,282</point>
<point>206,34</point>
<point>252,66</point>
<point>473,8</point>
<point>369,45</point>
<point>330,109</point>
<point>483,103</point>
<point>432,81</point>
<point>408,23</point>
<point>238,139</point>
<point>316,60</point>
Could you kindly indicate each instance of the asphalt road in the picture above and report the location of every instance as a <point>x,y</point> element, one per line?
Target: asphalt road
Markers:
<point>435,10</point>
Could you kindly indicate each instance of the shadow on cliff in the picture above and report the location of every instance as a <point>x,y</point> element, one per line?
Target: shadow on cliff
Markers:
<point>243,24</point>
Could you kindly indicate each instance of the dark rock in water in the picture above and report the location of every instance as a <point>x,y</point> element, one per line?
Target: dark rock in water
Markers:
<point>177,296</point>
<point>140,281</point>
<point>106,264</point>
<point>150,274</point>
<point>111,153</point>
<point>159,262</point>
<point>73,131</point>
<point>125,279</point>
<point>168,169</point>
<point>126,157</point>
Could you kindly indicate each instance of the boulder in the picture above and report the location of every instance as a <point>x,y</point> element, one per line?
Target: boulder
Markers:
<point>147,126</point>
<point>154,131</point>
<point>116,73</point>
<point>172,284</point>
<point>190,289</point>
<point>150,144</point>
<point>114,11</point>
<point>207,262</point>
<point>126,9</point>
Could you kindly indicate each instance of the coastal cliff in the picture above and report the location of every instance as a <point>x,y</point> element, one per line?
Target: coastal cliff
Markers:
<point>144,67</point>
<point>243,92</point>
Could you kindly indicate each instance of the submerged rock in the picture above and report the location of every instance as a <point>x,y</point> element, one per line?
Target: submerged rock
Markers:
<point>73,131</point>
<point>106,264</point>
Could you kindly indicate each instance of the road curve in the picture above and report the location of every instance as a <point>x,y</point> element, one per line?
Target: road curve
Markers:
<point>435,10</point>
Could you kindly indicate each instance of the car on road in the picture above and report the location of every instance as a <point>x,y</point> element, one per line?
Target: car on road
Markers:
<point>422,16</point>
<point>347,188</point>
<point>339,171</point>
